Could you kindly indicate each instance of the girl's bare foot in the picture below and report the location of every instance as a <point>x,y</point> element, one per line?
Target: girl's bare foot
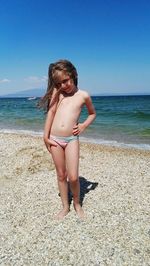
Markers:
<point>62,213</point>
<point>79,211</point>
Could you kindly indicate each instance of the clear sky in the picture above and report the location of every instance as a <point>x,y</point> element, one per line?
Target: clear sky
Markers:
<point>107,40</point>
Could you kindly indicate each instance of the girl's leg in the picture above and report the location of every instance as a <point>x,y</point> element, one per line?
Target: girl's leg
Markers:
<point>58,156</point>
<point>72,162</point>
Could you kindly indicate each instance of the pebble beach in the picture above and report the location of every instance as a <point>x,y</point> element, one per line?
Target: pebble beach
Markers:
<point>115,193</point>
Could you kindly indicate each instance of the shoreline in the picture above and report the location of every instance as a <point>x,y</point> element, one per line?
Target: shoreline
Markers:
<point>83,139</point>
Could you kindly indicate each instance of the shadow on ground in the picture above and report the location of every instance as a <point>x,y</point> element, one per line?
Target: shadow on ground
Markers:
<point>85,187</point>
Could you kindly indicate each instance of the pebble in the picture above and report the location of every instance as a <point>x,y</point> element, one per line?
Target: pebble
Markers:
<point>115,195</point>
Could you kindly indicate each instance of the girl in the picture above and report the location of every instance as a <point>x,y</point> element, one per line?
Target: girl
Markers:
<point>64,102</point>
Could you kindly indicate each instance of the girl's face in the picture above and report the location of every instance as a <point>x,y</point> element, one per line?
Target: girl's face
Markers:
<point>64,83</point>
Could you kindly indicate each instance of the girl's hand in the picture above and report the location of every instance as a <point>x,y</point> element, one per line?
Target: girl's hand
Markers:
<point>49,143</point>
<point>78,129</point>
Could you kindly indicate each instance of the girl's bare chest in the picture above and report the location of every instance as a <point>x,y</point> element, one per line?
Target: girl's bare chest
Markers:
<point>69,103</point>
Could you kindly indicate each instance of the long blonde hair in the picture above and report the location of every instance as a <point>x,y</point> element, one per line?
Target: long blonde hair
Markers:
<point>61,65</point>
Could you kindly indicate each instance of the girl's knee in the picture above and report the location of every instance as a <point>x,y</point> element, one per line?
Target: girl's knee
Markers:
<point>62,176</point>
<point>73,178</point>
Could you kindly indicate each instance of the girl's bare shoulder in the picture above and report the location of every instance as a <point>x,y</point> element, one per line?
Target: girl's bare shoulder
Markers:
<point>83,94</point>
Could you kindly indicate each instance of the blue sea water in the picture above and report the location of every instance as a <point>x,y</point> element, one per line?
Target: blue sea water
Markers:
<point>120,121</point>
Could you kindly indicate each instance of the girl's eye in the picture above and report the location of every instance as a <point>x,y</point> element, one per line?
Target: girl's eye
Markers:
<point>62,82</point>
<point>65,81</point>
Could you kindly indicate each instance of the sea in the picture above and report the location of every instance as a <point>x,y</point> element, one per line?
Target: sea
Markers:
<point>121,120</point>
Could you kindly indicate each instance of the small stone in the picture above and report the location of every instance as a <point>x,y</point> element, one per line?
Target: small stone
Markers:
<point>136,251</point>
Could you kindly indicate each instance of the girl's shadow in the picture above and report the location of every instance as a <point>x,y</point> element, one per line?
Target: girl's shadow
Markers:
<point>85,187</point>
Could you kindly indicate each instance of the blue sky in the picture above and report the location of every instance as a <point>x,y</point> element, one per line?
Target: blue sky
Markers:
<point>107,40</point>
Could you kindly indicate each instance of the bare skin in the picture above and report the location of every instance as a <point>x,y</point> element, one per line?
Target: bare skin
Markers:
<point>62,120</point>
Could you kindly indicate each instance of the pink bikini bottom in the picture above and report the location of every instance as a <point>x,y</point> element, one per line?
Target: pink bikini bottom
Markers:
<point>63,141</point>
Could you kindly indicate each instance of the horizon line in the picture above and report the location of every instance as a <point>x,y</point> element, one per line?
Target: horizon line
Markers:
<point>92,95</point>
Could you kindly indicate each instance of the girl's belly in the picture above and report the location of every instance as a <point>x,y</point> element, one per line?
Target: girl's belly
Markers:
<point>61,128</point>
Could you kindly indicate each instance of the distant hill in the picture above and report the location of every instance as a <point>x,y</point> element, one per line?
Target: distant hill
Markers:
<point>26,93</point>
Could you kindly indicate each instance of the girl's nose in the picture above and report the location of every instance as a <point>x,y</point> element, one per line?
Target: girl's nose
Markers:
<point>63,85</point>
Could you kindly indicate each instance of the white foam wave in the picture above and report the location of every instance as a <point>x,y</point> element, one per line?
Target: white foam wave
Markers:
<point>115,143</point>
<point>20,131</point>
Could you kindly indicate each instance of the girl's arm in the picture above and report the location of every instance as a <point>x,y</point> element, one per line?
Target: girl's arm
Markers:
<point>48,124</point>
<point>78,129</point>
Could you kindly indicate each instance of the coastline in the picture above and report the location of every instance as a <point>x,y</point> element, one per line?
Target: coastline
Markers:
<point>83,139</point>
<point>114,192</point>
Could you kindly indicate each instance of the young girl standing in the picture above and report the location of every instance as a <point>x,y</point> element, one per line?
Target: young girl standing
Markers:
<point>61,132</point>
